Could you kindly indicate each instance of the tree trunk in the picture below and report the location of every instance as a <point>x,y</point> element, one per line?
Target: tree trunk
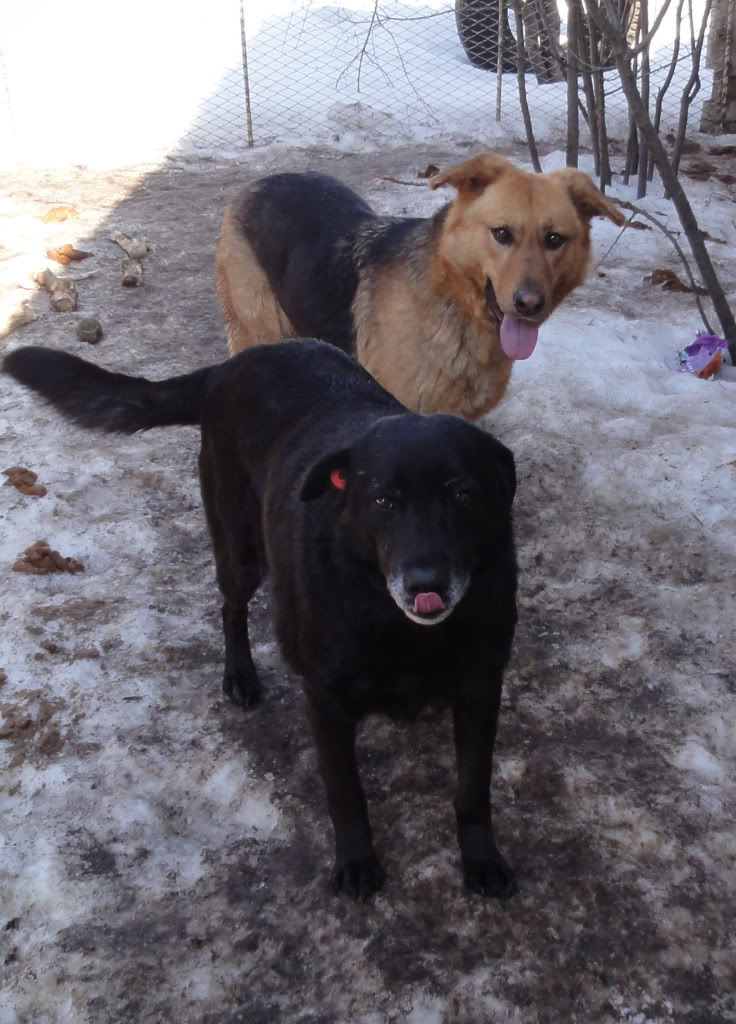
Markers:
<point>542,35</point>
<point>600,94</point>
<point>632,144</point>
<point>641,189</point>
<point>573,121</point>
<point>719,112</point>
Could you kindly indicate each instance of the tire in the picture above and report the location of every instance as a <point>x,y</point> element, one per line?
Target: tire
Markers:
<point>477,28</point>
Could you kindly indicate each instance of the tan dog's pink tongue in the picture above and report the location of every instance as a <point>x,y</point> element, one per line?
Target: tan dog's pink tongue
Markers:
<point>518,337</point>
<point>424,604</point>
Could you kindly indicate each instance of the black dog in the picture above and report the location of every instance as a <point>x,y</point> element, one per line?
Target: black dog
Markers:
<point>388,537</point>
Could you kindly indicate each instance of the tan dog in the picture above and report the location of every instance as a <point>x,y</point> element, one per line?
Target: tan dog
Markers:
<point>438,308</point>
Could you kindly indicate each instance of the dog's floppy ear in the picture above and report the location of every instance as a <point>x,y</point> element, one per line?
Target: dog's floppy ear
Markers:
<point>502,459</point>
<point>507,466</point>
<point>330,471</point>
<point>472,176</point>
<point>587,199</point>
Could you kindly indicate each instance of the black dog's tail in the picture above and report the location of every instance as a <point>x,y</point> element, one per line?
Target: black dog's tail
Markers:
<point>102,400</point>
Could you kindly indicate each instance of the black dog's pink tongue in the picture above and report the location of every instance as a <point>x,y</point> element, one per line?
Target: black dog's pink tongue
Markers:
<point>425,604</point>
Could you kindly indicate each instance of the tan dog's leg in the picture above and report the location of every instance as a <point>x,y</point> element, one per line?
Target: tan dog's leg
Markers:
<point>251,311</point>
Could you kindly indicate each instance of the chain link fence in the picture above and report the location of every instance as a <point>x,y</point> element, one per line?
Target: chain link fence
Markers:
<point>392,70</point>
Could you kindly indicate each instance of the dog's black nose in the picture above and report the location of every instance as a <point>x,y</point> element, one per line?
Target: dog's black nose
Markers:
<point>528,301</point>
<point>425,580</point>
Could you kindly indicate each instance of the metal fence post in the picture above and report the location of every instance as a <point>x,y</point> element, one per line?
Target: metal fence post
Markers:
<point>246,80</point>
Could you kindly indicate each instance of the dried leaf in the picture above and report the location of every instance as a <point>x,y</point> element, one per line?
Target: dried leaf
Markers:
<point>57,214</point>
<point>639,225</point>
<point>24,480</point>
<point>429,170</point>
<point>700,170</point>
<point>40,559</point>
<point>65,254</point>
<point>688,145</point>
<point>671,282</point>
<point>709,238</point>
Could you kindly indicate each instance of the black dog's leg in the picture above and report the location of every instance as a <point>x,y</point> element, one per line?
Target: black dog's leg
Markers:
<point>240,681</point>
<point>357,869</point>
<point>484,869</point>
<point>233,519</point>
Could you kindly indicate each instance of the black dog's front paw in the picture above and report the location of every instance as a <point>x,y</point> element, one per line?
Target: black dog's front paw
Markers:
<point>243,689</point>
<point>492,877</point>
<point>360,877</point>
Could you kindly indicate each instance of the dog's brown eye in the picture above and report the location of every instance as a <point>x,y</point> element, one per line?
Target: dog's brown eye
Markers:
<point>502,235</point>
<point>554,240</point>
<point>383,501</point>
<point>463,497</point>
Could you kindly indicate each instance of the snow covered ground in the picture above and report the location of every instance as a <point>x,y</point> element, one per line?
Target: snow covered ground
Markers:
<point>165,856</point>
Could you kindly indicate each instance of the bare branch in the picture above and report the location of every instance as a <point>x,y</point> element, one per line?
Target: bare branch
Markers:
<point>499,57</point>
<point>661,92</point>
<point>398,181</point>
<point>610,25</point>
<point>380,20</point>
<point>521,78</point>
<point>615,242</point>
<point>648,36</point>
<point>693,83</point>
<point>675,244</point>
<point>374,15</point>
